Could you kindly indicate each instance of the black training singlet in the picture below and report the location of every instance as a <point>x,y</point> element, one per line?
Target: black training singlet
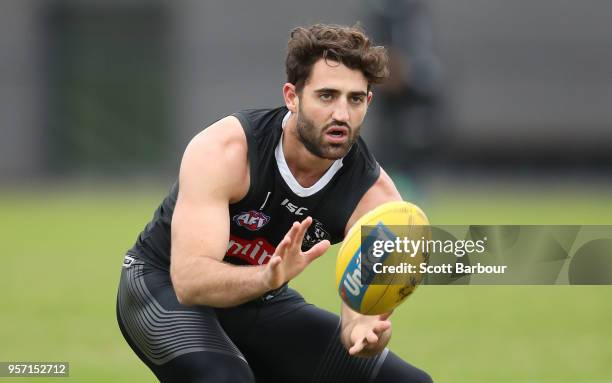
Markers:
<point>274,199</point>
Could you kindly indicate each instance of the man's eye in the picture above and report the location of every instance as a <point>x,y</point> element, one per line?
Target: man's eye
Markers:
<point>325,96</point>
<point>357,99</point>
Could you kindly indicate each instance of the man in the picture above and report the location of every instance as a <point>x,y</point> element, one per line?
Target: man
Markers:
<point>203,295</point>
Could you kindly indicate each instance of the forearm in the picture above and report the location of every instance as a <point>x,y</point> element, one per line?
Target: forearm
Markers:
<point>206,281</point>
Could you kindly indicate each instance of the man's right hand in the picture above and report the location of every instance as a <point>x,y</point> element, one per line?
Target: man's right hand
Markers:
<point>289,260</point>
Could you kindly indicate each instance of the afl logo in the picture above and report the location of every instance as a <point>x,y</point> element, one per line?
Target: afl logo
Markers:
<point>252,220</point>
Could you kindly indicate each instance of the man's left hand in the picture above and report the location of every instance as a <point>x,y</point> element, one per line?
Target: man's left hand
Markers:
<point>366,335</point>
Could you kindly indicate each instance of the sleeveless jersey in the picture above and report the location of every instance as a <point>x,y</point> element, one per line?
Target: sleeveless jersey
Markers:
<point>275,199</point>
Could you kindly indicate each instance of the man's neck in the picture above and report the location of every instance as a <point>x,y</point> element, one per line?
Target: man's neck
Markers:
<point>306,168</point>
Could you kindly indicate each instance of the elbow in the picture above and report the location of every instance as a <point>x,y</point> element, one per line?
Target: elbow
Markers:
<point>184,297</point>
<point>184,294</point>
<point>192,284</point>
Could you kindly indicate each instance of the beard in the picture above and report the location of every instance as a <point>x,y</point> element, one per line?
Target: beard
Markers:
<point>313,138</point>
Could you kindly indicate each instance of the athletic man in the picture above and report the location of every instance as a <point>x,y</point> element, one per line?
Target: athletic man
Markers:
<point>203,295</point>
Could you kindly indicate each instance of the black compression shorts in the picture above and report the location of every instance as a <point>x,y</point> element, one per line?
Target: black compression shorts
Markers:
<point>281,339</point>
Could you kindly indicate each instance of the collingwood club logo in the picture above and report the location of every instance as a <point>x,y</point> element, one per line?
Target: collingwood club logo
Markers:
<point>315,234</point>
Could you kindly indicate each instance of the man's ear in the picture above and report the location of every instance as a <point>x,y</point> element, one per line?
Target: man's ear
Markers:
<point>292,100</point>
<point>369,99</point>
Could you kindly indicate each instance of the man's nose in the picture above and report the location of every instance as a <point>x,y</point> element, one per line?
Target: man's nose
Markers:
<point>341,112</point>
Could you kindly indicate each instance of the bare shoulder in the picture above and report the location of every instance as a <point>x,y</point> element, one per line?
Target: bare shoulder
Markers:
<point>382,191</point>
<point>218,155</point>
<point>225,136</point>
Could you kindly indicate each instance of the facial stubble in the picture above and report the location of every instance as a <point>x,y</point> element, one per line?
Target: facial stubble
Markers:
<point>313,138</point>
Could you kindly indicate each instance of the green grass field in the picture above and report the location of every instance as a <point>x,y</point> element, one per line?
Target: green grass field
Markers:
<point>62,252</point>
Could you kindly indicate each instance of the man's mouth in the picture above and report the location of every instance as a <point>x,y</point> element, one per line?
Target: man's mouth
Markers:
<point>337,134</point>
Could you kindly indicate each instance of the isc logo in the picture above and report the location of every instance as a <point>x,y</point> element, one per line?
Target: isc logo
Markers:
<point>293,208</point>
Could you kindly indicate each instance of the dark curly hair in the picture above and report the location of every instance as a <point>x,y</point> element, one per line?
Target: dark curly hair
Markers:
<point>347,45</point>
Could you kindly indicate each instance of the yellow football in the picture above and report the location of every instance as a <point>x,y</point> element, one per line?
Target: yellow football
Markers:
<point>360,287</point>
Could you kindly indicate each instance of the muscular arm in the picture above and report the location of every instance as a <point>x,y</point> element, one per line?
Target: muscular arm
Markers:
<point>366,335</point>
<point>383,190</point>
<point>214,172</point>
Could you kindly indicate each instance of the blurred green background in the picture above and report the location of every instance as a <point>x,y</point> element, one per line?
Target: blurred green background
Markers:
<point>63,246</point>
<point>98,100</point>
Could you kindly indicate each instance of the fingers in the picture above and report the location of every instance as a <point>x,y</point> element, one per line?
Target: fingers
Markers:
<point>297,232</point>
<point>293,230</point>
<point>370,339</point>
<point>317,250</point>
<point>274,275</point>
<point>370,336</point>
<point>381,327</point>
<point>357,347</point>
<point>385,316</point>
<point>283,246</point>
<point>275,260</point>
<point>293,241</point>
<point>279,253</point>
<point>303,226</point>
